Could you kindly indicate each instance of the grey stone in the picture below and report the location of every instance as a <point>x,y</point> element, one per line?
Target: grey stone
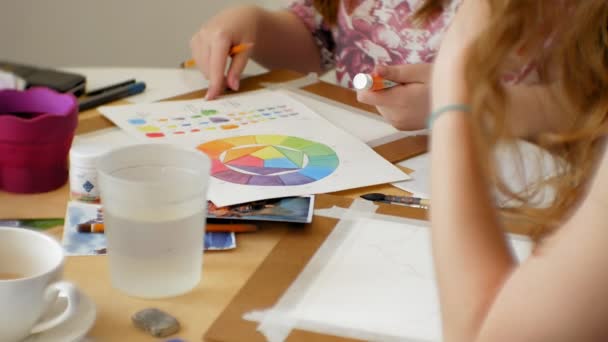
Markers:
<point>155,322</point>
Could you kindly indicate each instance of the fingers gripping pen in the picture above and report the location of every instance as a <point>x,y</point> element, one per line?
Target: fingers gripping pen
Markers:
<point>363,81</point>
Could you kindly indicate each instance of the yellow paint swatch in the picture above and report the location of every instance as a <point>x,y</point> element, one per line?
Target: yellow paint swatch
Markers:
<point>148,129</point>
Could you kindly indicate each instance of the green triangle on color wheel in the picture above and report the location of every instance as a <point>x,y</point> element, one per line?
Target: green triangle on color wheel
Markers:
<point>297,157</point>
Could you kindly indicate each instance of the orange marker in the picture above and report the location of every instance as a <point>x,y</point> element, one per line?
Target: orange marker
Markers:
<point>98,227</point>
<point>363,81</point>
<point>235,50</point>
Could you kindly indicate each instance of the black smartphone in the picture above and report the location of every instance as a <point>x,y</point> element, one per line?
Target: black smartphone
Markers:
<point>61,81</point>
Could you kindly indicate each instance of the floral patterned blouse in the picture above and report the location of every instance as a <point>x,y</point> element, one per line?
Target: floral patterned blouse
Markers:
<point>370,32</point>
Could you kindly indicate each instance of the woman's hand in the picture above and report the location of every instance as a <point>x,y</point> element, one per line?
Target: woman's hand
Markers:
<point>211,45</point>
<point>406,105</point>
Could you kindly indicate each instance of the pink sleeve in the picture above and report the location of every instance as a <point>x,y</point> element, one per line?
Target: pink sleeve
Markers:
<point>320,30</point>
<point>307,13</point>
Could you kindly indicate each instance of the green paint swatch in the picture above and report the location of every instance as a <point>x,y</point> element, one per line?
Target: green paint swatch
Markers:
<point>208,112</point>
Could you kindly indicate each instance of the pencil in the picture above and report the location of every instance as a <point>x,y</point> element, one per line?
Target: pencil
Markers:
<point>99,227</point>
<point>235,50</point>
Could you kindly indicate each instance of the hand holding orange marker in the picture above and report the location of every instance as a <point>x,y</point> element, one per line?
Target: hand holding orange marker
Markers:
<point>363,81</point>
<point>235,50</point>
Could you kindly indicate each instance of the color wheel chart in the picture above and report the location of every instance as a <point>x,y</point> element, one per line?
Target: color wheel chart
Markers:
<point>269,160</point>
<point>195,120</point>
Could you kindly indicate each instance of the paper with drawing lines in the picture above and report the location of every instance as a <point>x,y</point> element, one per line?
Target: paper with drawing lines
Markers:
<point>378,284</point>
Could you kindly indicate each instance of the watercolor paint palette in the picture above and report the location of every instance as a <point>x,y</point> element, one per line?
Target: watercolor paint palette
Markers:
<point>197,119</point>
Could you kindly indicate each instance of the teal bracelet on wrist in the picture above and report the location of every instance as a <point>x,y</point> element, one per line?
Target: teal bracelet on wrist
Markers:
<point>449,108</point>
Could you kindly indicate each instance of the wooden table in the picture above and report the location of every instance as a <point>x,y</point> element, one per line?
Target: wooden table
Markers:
<point>223,272</point>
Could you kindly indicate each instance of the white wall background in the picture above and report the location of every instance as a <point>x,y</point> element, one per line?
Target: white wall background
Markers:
<point>132,33</point>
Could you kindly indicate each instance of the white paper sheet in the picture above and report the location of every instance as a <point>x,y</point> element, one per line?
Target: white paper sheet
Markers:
<point>420,182</point>
<point>368,127</point>
<point>232,130</point>
<point>160,83</point>
<point>379,284</point>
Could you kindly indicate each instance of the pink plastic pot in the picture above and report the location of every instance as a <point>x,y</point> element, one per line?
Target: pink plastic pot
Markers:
<point>36,131</point>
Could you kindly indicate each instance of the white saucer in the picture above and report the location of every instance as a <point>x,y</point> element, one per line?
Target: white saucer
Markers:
<point>72,330</point>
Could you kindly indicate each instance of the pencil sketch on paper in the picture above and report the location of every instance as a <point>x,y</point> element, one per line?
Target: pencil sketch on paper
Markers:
<point>376,283</point>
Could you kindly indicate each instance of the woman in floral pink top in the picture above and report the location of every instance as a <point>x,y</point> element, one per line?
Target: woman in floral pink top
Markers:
<point>371,32</point>
<point>368,36</point>
<point>367,33</point>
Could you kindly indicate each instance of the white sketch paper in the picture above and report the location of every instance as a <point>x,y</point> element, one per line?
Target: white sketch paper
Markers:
<point>378,284</point>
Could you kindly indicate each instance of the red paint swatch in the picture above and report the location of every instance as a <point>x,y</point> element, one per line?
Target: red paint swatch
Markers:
<point>155,135</point>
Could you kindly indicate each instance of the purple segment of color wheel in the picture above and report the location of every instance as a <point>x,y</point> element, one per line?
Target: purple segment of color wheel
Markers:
<point>233,177</point>
<point>295,179</point>
<point>266,180</point>
<point>263,170</point>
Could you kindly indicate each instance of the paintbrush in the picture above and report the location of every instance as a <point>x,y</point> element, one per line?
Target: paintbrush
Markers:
<point>406,200</point>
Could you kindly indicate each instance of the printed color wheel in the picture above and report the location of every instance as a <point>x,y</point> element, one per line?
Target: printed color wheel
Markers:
<point>269,160</point>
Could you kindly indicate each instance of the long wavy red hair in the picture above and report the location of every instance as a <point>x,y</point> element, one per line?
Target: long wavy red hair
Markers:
<point>572,60</point>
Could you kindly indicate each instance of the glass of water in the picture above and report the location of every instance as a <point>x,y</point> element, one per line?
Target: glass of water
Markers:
<point>154,200</point>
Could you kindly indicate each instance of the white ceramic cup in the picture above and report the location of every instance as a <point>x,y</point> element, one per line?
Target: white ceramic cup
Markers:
<point>31,265</point>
